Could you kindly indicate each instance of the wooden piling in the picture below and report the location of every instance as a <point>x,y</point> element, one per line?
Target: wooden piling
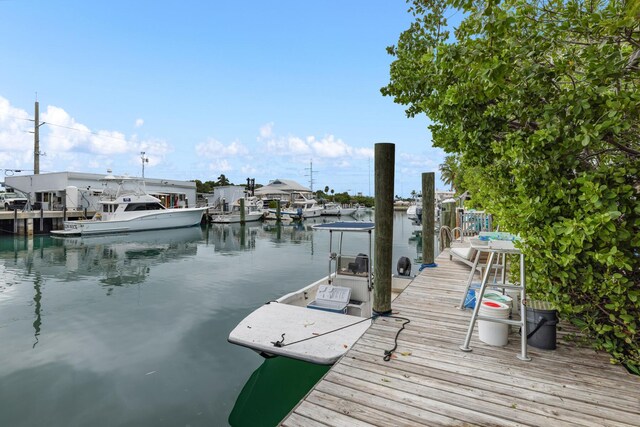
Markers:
<point>428,218</point>
<point>242,212</point>
<point>384,191</point>
<point>278,211</point>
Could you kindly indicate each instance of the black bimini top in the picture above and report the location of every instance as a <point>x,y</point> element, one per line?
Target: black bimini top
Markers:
<point>346,226</point>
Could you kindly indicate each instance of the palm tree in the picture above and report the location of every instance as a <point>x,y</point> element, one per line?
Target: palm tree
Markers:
<point>449,170</point>
<point>223,180</point>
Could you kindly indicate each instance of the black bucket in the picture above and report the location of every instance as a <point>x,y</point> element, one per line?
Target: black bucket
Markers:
<point>541,325</point>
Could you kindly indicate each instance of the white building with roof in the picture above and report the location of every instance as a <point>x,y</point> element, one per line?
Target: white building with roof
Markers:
<point>281,189</point>
<point>78,191</point>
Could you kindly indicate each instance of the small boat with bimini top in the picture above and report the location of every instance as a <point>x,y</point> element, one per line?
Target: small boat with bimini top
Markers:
<point>129,208</point>
<point>253,209</point>
<point>321,321</point>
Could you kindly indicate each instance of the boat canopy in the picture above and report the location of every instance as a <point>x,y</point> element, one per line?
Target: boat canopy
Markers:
<point>346,226</point>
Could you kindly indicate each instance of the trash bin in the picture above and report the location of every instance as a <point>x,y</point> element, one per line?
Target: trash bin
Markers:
<point>541,325</point>
<point>493,333</point>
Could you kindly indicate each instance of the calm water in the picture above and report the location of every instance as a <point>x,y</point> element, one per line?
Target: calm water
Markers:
<point>131,330</point>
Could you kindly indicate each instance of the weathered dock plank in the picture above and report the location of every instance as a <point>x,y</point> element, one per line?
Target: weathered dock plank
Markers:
<point>430,381</point>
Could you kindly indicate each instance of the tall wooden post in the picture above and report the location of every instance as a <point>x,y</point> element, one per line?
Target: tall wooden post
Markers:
<point>242,212</point>
<point>428,219</point>
<point>384,162</point>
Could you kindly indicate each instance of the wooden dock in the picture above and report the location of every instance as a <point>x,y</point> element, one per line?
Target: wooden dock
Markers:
<point>432,382</point>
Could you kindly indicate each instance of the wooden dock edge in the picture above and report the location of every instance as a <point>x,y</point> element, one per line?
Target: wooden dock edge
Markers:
<point>430,381</point>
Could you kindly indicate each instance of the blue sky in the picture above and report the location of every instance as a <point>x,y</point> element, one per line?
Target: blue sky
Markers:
<point>246,89</point>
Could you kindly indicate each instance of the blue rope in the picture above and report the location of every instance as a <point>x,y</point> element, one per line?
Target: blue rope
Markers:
<point>423,266</point>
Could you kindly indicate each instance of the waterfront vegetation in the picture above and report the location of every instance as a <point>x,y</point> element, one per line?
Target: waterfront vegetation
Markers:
<point>538,105</point>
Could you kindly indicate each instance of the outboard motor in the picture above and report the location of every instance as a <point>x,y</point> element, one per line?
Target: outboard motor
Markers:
<point>404,266</point>
<point>361,264</point>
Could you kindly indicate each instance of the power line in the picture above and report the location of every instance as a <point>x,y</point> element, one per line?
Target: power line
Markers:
<point>71,128</point>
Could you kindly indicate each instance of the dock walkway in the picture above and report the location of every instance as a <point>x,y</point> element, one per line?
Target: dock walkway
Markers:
<point>432,382</point>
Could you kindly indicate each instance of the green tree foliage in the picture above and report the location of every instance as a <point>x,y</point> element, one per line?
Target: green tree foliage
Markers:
<point>449,171</point>
<point>204,187</point>
<point>223,180</point>
<point>540,102</point>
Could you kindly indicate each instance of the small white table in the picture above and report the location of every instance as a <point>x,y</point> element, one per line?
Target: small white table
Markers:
<point>497,244</point>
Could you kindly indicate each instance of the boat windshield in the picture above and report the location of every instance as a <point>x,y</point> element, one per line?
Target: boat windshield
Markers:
<point>153,206</point>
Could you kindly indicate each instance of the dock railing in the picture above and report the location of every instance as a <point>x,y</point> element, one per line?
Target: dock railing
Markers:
<point>473,222</point>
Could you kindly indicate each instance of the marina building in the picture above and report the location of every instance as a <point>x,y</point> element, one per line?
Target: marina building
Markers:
<point>80,191</point>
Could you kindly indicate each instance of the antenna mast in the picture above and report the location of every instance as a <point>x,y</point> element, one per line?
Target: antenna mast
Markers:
<point>310,169</point>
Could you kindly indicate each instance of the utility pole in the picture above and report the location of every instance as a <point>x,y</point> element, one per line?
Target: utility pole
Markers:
<point>144,160</point>
<point>36,140</point>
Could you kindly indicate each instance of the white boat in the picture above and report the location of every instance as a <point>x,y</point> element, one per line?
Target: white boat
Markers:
<point>360,210</point>
<point>321,321</point>
<point>253,212</point>
<point>286,214</point>
<point>348,211</point>
<point>331,209</point>
<point>308,208</point>
<point>335,209</point>
<point>412,212</point>
<point>129,208</point>
<point>272,214</point>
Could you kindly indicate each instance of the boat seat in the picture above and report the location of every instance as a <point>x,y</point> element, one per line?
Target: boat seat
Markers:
<point>331,298</point>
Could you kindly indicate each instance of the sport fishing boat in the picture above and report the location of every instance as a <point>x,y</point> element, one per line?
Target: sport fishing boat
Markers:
<point>129,208</point>
<point>321,321</point>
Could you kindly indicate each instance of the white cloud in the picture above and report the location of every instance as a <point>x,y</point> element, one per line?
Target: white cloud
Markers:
<point>14,134</point>
<point>216,149</point>
<point>139,123</point>
<point>329,146</point>
<point>248,169</point>
<point>418,161</point>
<point>266,131</point>
<point>156,150</point>
<point>65,134</point>
<point>220,166</point>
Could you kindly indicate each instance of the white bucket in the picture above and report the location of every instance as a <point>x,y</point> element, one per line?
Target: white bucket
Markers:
<point>493,333</point>
<point>499,297</point>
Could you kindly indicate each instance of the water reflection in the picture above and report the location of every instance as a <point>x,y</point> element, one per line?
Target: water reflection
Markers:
<point>229,238</point>
<point>126,259</point>
<point>272,390</point>
<point>133,328</point>
<point>37,298</point>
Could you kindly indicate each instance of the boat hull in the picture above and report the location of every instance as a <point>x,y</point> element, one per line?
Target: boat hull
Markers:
<point>235,218</point>
<point>348,211</point>
<point>150,220</point>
